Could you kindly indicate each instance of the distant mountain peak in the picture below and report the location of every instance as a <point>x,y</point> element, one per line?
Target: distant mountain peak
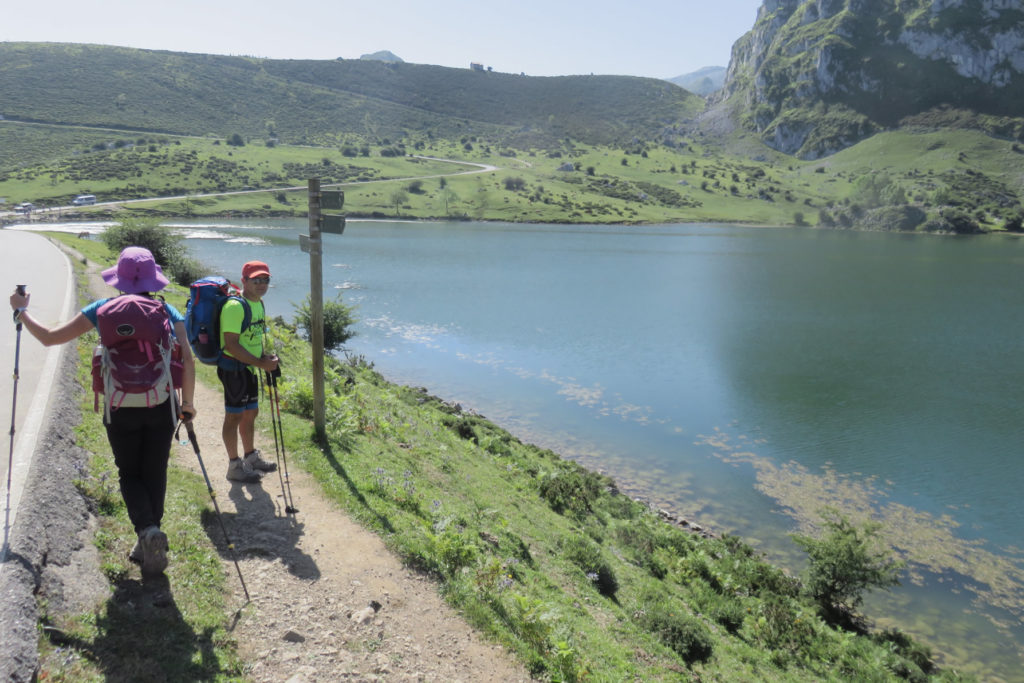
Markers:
<point>383,56</point>
<point>703,81</point>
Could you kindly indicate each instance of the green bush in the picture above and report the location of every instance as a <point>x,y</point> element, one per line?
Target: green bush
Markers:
<point>451,550</point>
<point>338,321</point>
<point>644,543</point>
<point>843,565</point>
<point>574,488</point>
<point>725,609</point>
<point>587,556</point>
<point>907,648</point>
<point>778,625</point>
<point>684,634</point>
<point>167,248</point>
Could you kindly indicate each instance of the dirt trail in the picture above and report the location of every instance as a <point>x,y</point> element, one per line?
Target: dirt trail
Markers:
<point>312,575</point>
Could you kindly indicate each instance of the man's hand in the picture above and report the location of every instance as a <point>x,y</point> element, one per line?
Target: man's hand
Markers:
<point>269,363</point>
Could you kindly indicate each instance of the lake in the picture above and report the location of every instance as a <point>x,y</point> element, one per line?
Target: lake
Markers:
<point>741,377</point>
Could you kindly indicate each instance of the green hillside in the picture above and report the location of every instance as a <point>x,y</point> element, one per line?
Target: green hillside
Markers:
<point>320,102</point>
<point>128,124</point>
<point>813,78</point>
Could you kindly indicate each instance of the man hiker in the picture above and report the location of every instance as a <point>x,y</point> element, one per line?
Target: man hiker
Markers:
<point>140,405</point>
<point>244,356</point>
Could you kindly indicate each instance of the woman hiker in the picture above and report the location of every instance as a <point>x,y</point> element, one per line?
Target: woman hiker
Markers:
<point>140,424</point>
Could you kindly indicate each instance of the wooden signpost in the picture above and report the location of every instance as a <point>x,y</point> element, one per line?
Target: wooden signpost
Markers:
<point>313,245</point>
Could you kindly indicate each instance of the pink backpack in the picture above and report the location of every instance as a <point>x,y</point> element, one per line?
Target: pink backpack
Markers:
<point>137,353</point>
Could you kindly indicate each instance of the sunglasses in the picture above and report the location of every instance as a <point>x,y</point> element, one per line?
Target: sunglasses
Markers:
<point>260,280</point>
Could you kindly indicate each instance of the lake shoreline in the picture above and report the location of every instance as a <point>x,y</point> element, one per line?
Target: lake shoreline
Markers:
<point>70,215</point>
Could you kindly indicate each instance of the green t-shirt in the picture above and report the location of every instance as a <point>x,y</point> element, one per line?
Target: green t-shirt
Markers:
<point>231,317</point>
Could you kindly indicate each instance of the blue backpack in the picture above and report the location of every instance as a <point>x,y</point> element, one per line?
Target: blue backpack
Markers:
<point>206,298</point>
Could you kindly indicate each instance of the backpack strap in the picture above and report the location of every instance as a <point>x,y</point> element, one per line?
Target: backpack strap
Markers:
<point>228,362</point>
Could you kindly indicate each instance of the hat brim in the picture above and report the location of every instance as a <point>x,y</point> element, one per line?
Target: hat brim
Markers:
<point>153,284</point>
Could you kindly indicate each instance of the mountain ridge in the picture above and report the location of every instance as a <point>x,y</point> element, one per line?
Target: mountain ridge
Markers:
<point>322,101</point>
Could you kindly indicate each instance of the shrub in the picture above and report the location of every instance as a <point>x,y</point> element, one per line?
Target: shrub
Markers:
<point>167,248</point>
<point>587,556</point>
<point>463,427</point>
<point>905,646</point>
<point>298,397</point>
<point>684,634</point>
<point>644,544</point>
<point>726,610</point>
<point>778,625</point>
<point>1014,223</point>
<point>571,489</point>
<point>338,322</point>
<point>843,565</point>
<point>451,551</point>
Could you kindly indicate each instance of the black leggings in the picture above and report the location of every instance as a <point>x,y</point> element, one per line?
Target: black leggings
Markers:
<point>141,441</point>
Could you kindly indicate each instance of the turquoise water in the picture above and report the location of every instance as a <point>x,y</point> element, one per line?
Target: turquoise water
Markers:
<point>743,377</point>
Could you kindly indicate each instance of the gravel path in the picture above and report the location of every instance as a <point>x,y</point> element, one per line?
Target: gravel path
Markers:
<point>329,602</point>
<point>313,577</point>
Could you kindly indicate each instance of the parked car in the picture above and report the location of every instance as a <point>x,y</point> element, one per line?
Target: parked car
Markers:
<point>24,207</point>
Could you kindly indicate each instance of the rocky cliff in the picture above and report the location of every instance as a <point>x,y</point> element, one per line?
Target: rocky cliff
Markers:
<point>815,76</point>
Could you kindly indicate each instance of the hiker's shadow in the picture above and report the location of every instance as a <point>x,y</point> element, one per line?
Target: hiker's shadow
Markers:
<point>141,612</point>
<point>259,526</point>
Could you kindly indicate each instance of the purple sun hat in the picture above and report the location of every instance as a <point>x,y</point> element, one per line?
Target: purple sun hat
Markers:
<point>136,272</point>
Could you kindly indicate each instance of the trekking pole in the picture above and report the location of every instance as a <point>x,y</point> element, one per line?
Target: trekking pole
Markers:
<point>14,403</point>
<point>275,414</point>
<point>213,497</point>
<point>265,379</point>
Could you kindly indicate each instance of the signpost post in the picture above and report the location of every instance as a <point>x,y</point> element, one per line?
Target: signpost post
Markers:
<point>313,245</point>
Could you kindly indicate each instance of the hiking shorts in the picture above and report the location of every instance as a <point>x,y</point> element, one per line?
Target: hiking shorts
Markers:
<point>241,389</point>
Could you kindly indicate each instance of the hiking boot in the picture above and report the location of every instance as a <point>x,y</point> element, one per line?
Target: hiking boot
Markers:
<point>257,463</point>
<point>240,470</point>
<point>154,551</point>
<point>136,555</point>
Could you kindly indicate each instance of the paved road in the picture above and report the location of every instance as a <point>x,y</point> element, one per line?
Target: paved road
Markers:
<point>32,260</point>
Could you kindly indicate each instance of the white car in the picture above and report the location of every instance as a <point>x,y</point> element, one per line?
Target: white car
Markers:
<point>24,207</point>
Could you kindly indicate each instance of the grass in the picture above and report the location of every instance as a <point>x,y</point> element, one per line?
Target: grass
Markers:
<point>543,556</point>
<point>657,184</point>
<point>692,181</point>
<point>324,102</point>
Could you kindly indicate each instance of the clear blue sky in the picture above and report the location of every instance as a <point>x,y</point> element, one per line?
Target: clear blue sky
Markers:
<point>657,38</point>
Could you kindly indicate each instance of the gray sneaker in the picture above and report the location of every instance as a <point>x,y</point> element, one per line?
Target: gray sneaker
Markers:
<point>137,555</point>
<point>253,458</point>
<point>154,551</point>
<point>240,470</point>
